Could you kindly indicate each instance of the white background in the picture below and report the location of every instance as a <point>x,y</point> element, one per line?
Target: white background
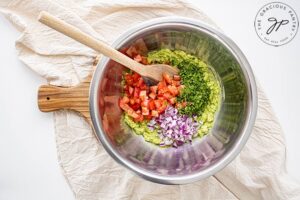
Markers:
<point>28,162</point>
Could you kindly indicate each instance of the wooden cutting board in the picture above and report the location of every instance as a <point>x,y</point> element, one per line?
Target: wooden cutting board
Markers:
<point>52,98</point>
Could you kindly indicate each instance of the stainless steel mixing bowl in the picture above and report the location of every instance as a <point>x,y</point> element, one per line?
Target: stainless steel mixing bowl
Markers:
<point>233,122</point>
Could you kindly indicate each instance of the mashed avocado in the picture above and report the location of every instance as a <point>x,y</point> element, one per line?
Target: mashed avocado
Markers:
<point>202,91</point>
<point>142,129</point>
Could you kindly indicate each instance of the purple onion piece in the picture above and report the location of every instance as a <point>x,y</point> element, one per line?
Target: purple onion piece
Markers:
<point>175,129</point>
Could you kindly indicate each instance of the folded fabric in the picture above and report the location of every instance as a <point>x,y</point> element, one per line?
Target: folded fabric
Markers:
<point>257,173</point>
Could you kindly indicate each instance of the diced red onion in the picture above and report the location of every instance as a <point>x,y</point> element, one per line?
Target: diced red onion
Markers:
<point>174,129</point>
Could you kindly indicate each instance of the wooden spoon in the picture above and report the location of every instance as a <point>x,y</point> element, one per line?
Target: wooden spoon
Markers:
<point>152,72</point>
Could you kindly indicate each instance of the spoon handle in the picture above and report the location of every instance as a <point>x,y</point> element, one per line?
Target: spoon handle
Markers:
<point>78,35</point>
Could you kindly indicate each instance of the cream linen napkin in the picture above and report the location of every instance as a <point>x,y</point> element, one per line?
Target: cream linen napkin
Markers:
<point>257,173</point>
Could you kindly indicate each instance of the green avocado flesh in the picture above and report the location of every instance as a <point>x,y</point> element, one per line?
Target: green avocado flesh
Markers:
<point>202,92</point>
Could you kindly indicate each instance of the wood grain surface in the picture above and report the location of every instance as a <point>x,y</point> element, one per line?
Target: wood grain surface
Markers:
<point>52,98</point>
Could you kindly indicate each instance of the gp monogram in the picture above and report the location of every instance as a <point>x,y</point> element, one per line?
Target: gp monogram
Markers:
<point>276,23</point>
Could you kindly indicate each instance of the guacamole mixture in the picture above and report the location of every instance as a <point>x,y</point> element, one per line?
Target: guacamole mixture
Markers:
<point>196,103</point>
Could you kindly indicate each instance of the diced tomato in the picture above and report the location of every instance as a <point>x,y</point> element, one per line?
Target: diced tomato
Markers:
<point>122,104</point>
<point>125,99</point>
<point>145,103</point>
<point>172,100</point>
<point>167,95</point>
<point>161,85</point>
<point>137,100</point>
<point>148,117</point>
<point>128,79</point>
<point>135,77</point>
<point>130,90</point>
<point>160,97</point>
<point>128,109</point>
<point>143,87</point>
<point>154,113</point>
<point>138,58</point>
<point>135,106</point>
<point>158,103</point>
<point>136,93</point>
<point>140,118</point>
<point>173,90</point>
<point>163,107</point>
<point>163,90</point>
<point>176,78</point>
<point>140,82</point>
<point>176,83</point>
<point>167,78</point>
<point>145,111</point>
<point>132,101</point>
<point>153,89</point>
<point>143,95</point>
<point>151,104</point>
<point>152,95</point>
